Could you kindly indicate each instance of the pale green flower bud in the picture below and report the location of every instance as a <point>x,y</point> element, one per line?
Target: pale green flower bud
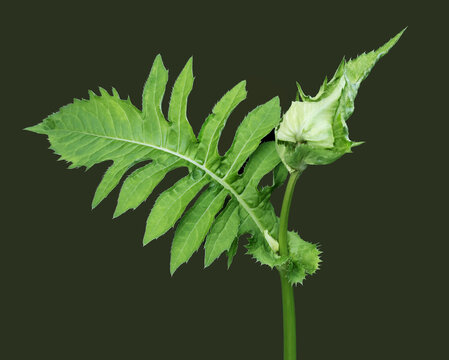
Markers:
<point>310,122</point>
<point>308,132</point>
<point>313,131</point>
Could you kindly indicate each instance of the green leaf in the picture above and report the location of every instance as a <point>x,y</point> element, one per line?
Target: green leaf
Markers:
<point>211,130</point>
<point>171,204</point>
<point>256,125</point>
<point>280,174</point>
<point>232,251</point>
<point>181,135</point>
<point>223,232</point>
<point>264,159</point>
<point>108,128</point>
<point>155,127</point>
<point>113,175</point>
<point>195,225</point>
<point>140,184</point>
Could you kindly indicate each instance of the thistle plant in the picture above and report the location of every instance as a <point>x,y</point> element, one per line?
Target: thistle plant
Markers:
<point>232,202</point>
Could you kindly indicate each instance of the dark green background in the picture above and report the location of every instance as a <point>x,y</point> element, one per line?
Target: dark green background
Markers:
<point>78,285</point>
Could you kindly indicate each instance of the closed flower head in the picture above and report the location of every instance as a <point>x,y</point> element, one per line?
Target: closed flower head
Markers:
<point>314,131</point>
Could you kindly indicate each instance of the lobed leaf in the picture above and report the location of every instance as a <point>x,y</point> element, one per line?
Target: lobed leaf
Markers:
<point>108,128</point>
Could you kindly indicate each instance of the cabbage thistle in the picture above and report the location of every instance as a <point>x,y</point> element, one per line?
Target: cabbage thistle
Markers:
<point>232,200</point>
<point>313,131</point>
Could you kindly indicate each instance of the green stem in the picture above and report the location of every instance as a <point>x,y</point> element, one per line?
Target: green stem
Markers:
<point>288,300</point>
<point>289,319</point>
<point>283,225</point>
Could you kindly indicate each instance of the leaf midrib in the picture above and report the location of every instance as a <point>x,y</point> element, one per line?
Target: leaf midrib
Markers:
<point>205,169</point>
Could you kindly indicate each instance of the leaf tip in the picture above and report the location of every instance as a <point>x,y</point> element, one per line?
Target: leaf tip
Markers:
<point>158,59</point>
<point>94,204</point>
<point>38,129</point>
<point>357,143</point>
<point>401,32</point>
<point>188,67</point>
<point>396,38</point>
<point>275,100</point>
<point>117,212</point>
<point>158,62</point>
<point>229,262</point>
<point>115,93</point>
<point>242,84</point>
<point>148,237</point>
<point>173,268</point>
<point>301,92</point>
<point>384,49</point>
<point>207,260</point>
<point>103,91</point>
